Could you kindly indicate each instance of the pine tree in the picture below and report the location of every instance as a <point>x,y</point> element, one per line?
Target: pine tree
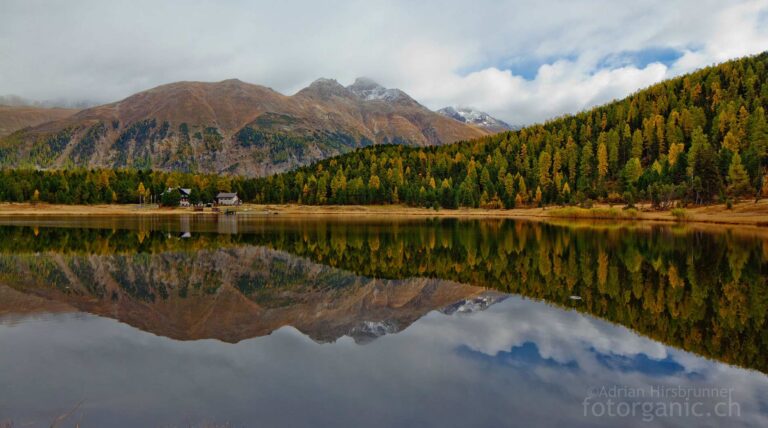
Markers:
<point>585,167</point>
<point>675,150</point>
<point>731,142</point>
<point>522,189</point>
<point>637,145</point>
<point>339,187</point>
<point>758,133</point>
<point>632,172</point>
<point>141,191</point>
<point>706,175</point>
<point>738,179</point>
<point>602,161</point>
<point>544,165</point>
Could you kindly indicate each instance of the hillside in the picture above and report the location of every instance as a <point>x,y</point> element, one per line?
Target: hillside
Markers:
<point>699,138</point>
<point>14,118</point>
<point>232,127</point>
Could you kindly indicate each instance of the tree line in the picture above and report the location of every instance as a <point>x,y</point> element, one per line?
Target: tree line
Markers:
<point>104,186</point>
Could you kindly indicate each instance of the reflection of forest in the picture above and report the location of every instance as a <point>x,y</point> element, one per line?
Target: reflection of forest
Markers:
<point>703,292</point>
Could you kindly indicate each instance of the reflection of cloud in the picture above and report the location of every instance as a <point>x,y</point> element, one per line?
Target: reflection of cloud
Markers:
<point>640,363</point>
<point>558,334</point>
<point>523,356</point>
<point>508,371</point>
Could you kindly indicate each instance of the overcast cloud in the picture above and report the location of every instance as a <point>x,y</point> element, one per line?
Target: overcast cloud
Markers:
<point>522,61</point>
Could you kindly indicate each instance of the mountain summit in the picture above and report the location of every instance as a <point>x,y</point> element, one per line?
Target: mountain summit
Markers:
<point>475,117</point>
<point>232,127</point>
<point>369,90</point>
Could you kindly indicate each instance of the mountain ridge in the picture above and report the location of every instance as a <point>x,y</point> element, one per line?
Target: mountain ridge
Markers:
<point>476,117</point>
<point>232,127</point>
<point>15,117</point>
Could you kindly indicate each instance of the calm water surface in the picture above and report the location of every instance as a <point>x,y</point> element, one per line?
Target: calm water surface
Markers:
<point>257,321</point>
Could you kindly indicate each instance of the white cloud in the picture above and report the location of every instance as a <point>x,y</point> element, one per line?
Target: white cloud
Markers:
<point>441,52</point>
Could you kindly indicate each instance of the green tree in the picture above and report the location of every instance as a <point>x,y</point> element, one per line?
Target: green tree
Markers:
<point>141,192</point>
<point>706,174</point>
<point>339,187</point>
<point>195,197</point>
<point>586,167</point>
<point>602,161</point>
<point>738,180</point>
<point>632,172</point>
<point>171,198</point>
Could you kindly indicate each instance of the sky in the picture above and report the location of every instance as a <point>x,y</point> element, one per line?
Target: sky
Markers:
<point>523,61</point>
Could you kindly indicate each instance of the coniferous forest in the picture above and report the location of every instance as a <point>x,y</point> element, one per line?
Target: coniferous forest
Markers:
<point>700,138</point>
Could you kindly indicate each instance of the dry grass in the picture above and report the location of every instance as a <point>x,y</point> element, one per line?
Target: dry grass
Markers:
<point>602,213</point>
<point>680,214</point>
<point>743,213</point>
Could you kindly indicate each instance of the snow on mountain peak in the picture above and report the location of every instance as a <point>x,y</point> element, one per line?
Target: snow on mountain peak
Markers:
<point>475,117</point>
<point>369,90</point>
<point>475,304</point>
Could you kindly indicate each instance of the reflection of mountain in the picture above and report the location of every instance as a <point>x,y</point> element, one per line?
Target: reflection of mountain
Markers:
<point>229,294</point>
<point>703,292</point>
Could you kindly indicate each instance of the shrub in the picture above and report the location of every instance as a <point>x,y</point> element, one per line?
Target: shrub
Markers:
<point>679,214</point>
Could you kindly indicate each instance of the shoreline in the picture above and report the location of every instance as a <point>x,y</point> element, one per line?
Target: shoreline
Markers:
<point>746,213</point>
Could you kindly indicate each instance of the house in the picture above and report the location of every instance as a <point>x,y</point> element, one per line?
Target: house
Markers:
<point>184,193</point>
<point>224,198</point>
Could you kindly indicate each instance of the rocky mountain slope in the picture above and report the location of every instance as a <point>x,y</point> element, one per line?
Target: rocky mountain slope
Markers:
<point>232,127</point>
<point>477,118</point>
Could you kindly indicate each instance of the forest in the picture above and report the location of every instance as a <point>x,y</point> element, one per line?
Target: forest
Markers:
<point>696,139</point>
<point>122,186</point>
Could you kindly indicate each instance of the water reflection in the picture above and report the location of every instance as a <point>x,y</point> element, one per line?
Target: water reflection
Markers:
<point>230,293</point>
<point>703,292</point>
<point>517,363</point>
<point>445,344</point>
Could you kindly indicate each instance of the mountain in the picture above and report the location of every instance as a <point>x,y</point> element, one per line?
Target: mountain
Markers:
<point>696,138</point>
<point>477,118</point>
<point>232,127</point>
<point>13,118</point>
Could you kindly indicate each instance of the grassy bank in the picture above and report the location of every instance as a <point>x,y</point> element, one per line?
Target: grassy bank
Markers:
<point>602,213</point>
<point>743,213</point>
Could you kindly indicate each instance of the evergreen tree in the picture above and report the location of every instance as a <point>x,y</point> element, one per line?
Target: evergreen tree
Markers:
<point>738,180</point>
<point>706,174</point>
<point>171,198</point>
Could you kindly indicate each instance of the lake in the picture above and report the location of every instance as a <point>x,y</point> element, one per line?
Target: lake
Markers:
<point>268,321</point>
